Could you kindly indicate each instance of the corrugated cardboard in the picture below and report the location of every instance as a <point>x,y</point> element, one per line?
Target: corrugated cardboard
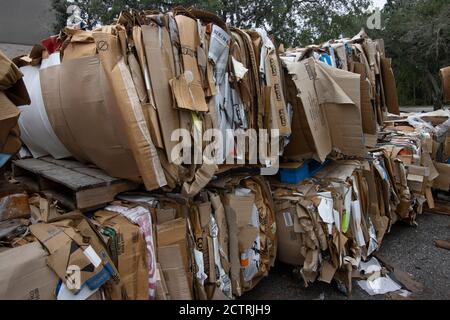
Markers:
<point>390,88</point>
<point>289,242</point>
<point>445,76</point>
<point>85,116</point>
<point>9,115</point>
<point>137,133</point>
<point>174,274</point>
<point>131,255</point>
<point>369,122</point>
<point>161,68</point>
<point>79,44</point>
<point>72,241</point>
<point>241,234</point>
<point>301,145</point>
<point>331,101</point>
<point>279,116</point>
<point>24,274</point>
<point>174,232</point>
<point>192,95</point>
<point>442,182</point>
<point>12,93</point>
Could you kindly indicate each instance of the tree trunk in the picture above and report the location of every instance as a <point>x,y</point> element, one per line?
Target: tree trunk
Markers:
<point>436,92</point>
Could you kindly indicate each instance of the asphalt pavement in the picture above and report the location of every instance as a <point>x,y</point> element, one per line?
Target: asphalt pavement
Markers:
<point>411,249</point>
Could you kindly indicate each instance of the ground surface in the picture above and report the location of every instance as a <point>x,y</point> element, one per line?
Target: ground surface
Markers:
<point>411,249</point>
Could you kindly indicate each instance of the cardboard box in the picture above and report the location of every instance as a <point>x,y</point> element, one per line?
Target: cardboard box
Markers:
<point>24,274</point>
<point>289,242</point>
<point>174,257</point>
<point>130,250</point>
<point>331,101</point>
<point>87,120</point>
<point>442,182</point>
<point>170,259</point>
<point>71,241</point>
<point>390,88</point>
<point>190,94</point>
<point>161,69</point>
<point>133,119</point>
<point>369,121</point>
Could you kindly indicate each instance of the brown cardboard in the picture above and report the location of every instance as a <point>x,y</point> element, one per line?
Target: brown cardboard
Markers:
<point>369,122</point>
<point>331,101</point>
<point>148,106</point>
<point>171,233</point>
<point>165,215</point>
<point>241,234</point>
<point>161,69</point>
<point>137,133</point>
<point>24,274</point>
<point>390,87</point>
<point>67,240</point>
<point>288,241</point>
<point>162,292</point>
<point>9,115</point>
<point>301,145</point>
<point>87,120</point>
<point>445,78</point>
<point>174,274</point>
<point>131,264</point>
<point>279,116</point>
<point>442,182</point>
<point>189,38</point>
<point>79,44</point>
<point>339,96</point>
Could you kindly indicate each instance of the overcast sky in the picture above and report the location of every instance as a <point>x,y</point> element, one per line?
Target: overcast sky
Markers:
<point>379,3</point>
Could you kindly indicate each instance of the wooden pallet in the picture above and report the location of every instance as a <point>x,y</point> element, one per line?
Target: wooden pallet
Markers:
<point>74,184</point>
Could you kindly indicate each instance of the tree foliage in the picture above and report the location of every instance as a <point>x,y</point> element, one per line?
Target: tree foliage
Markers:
<point>417,37</point>
<point>293,22</point>
<point>416,32</point>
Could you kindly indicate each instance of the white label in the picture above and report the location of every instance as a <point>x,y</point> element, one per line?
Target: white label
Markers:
<point>92,256</point>
<point>288,219</point>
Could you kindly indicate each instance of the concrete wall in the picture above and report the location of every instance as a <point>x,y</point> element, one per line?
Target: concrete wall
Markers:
<point>25,22</point>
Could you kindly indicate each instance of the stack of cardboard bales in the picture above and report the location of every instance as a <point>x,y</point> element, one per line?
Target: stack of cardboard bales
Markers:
<point>421,143</point>
<point>115,97</point>
<point>13,93</point>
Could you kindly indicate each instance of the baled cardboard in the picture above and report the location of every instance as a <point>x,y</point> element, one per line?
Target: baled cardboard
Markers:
<point>174,233</point>
<point>289,242</point>
<point>161,69</point>
<point>87,120</point>
<point>71,241</point>
<point>192,92</point>
<point>9,115</point>
<point>12,93</point>
<point>175,276</point>
<point>24,274</point>
<point>442,182</point>
<point>331,101</point>
<point>137,133</point>
<point>79,44</point>
<point>369,122</point>
<point>242,235</point>
<point>390,89</point>
<point>131,255</point>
